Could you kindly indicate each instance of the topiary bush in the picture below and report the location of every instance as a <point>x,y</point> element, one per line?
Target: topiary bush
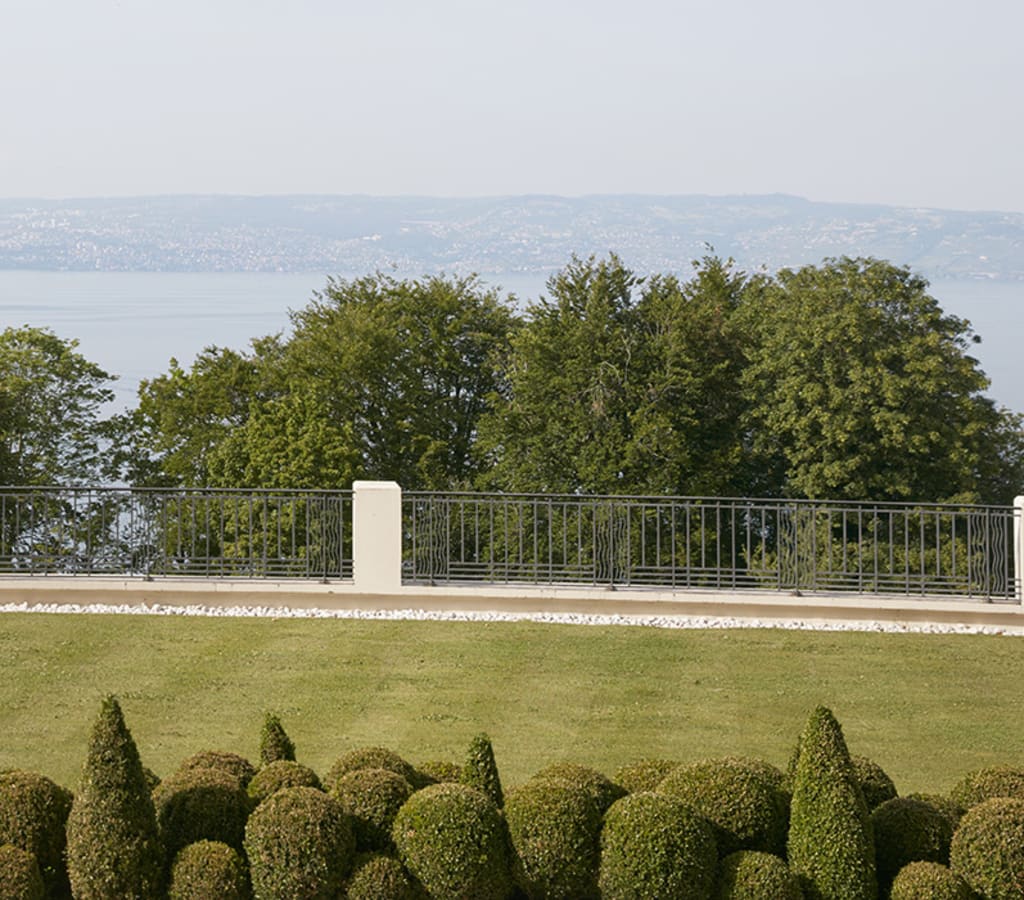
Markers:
<point>377,877</point>
<point>481,771</point>
<point>371,758</point>
<point>201,805</point>
<point>604,791</point>
<point>752,875</point>
<point>372,798</point>
<point>209,870</point>
<point>654,846</point>
<point>831,846</point>
<point>984,784</point>
<point>20,878</point>
<point>281,774</point>
<point>745,810</point>
<point>988,848</point>
<point>875,784</point>
<point>643,774</point>
<point>113,845</point>
<point>299,843</point>
<point>906,831</point>
<point>33,816</point>
<point>452,838</point>
<point>237,766</point>
<point>275,744</point>
<point>438,771</point>
<point>555,829</point>
<point>952,810</point>
<point>929,881</point>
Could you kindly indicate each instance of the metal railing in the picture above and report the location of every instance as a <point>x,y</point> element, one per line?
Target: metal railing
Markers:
<point>180,532</point>
<point>711,543</point>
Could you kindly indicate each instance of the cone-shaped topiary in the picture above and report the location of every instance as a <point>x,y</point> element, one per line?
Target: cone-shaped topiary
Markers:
<point>984,784</point>
<point>929,881</point>
<point>299,843</point>
<point>875,784</point>
<point>906,831</point>
<point>830,841</point>
<point>555,829</point>
<point>371,758</point>
<point>237,766</point>
<point>209,870</point>
<point>377,877</point>
<point>274,741</point>
<point>988,848</point>
<point>438,771</point>
<point>113,844</point>
<point>644,774</point>
<point>33,816</point>
<point>752,875</point>
<point>372,798</point>
<point>452,838</point>
<point>653,846</point>
<point>281,774</point>
<point>604,791</point>
<point>20,878</point>
<point>201,805</point>
<point>481,771</point>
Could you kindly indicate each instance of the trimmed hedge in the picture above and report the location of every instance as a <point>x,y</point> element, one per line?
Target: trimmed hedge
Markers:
<point>201,805</point>
<point>33,816</point>
<point>20,878</point>
<point>985,784</point>
<point>275,744</point>
<point>643,775</point>
<point>283,773</point>
<point>555,829</point>
<point>752,875</point>
<point>452,838</point>
<point>209,870</point>
<point>237,766</point>
<point>988,848</point>
<point>481,771</point>
<point>372,798</point>
<point>371,758</point>
<point>438,771</point>
<point>906,831</point>
<point>875,784</point>
<point>604,791</point>
<point>929,881</point>
<point>377,877</point>
<point>300,845</point>
<point>952,810</point>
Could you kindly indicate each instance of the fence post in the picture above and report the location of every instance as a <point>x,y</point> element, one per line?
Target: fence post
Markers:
<point>1018,547</point>
<point>376,536</point>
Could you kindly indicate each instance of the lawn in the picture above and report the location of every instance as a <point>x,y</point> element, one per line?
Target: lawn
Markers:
<point>926,707</point>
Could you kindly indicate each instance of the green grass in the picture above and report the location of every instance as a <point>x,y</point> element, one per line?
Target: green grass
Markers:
<point>926,707</point>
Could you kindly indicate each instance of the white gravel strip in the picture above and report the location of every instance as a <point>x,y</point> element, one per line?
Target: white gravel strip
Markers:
<point>686,622</point>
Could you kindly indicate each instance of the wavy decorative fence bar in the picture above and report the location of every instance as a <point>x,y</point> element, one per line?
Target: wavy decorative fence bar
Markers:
<point>711,543</point>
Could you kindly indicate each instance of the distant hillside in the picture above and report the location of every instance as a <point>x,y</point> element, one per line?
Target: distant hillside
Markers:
<point>494,235</point>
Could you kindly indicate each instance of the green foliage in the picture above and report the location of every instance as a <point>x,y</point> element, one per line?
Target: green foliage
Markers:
<point>113,845</point>
<point>875,785</point>
<point>830,840</point>
<point>274,741</point>
<point>377,877</point>
<point>20,878</point>
<point>481,771</point>
<point>209,870</point>
<point>746,811</point>
<point>602,789</point>
<point>984,784</point>
<point>555,829</point>
<point>644,774</point>
<point>370,758</point>
<point>906,831</point>
<point>300,845</point>
<point>281,774</point>
<point>33,817</point>
<point>452,838</point>
<point>929,881</point>
<point>653,846</point>
<point>952,810</point>
<point>372,798</point>
<point>238,767</point>
<point>436,771</point>
<point>988,848</point>
<point>753,875</point>
<point>201,804</point>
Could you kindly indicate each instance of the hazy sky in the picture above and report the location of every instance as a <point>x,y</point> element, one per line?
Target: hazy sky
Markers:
<point>914,102</point>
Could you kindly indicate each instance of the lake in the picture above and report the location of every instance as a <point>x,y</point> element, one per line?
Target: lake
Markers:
<point>132,323</point>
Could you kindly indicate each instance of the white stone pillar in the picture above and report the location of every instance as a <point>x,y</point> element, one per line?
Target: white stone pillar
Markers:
<point>1018,546</point>
<point>377,536</point>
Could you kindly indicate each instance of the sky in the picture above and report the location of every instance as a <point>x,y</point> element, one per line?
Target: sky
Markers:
<point>904,102</point>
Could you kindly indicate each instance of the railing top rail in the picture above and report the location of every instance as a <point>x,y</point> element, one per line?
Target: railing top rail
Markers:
<point>164,491</point>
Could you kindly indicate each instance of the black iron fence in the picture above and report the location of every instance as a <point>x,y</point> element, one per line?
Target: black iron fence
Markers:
<point>711,543</point>
<point>151,532</point>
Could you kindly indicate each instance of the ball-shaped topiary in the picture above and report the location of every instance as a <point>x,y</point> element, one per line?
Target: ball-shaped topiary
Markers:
<point>952,810</point>
<point>201,805</point>
<point>209,869</point>
<point>20,878</point>
<point>604,791</point>
<point>377,877</point>
<point>33,816</point>
<point>929,881</point>
<point>452,838</point>
<point>643,774</point>
<point>281,774</point>
<point>372,798</point>
<point>988,848</point>
<point>114,847</point>
<point>906,831</point>
<point>555,829</point>
<point>274,741</point>
<point>299,843</point>
<point>984,784</point>
<point>481,771</point>
<point>438,771</point>
<point>752,875</point>
<point>875,784</point>
<point>237,766</point>
<point>746,811</point>
<point>371,758</point>
<point>654,846</point>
